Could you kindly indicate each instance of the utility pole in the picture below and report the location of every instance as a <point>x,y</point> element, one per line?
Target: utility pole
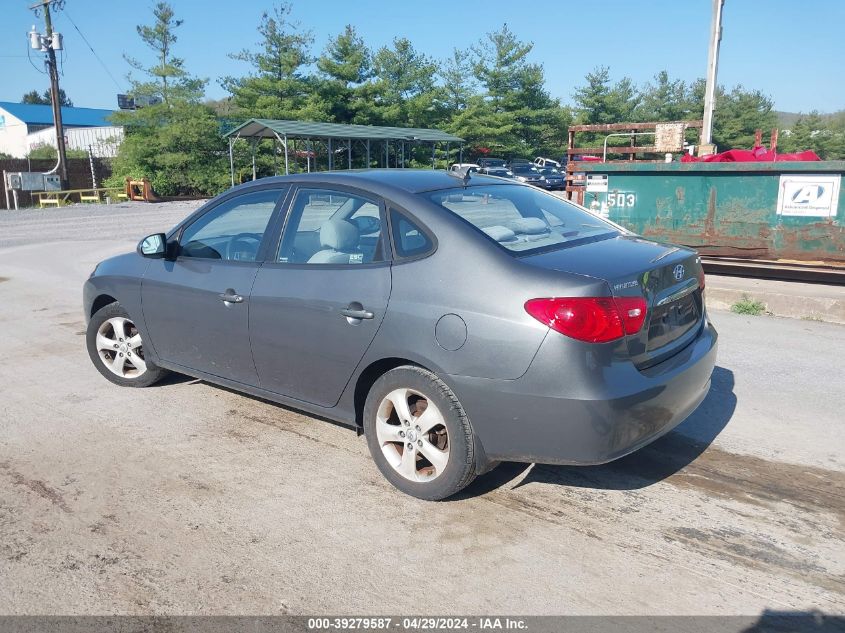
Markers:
<point>49,45</point>
<point>706,146</point>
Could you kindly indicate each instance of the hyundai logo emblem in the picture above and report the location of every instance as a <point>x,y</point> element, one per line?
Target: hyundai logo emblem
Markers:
<point>678,272</point>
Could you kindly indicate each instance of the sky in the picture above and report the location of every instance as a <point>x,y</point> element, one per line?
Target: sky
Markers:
<point>792,51</point>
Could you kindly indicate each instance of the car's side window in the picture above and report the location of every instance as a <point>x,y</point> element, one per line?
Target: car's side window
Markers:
<point>232,230</point>
<point>409,240</point>
<point>332,227</point>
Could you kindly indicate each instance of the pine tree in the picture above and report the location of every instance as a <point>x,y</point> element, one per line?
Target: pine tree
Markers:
<point>458,81</point>
<point>404,91</point>
<point>813,132</point>
<point>167,78</point>
<point>176,143</point>
<point>279,86</point>
<point>35,98</point>
<point>515,113</point>
<point>664,100</point>
<point>346,66</point>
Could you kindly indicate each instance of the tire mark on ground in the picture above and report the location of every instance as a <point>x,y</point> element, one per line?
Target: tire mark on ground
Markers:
<point>37,486</point>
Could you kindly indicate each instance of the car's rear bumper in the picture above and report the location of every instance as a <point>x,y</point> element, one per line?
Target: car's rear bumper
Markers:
<point>582,410</point>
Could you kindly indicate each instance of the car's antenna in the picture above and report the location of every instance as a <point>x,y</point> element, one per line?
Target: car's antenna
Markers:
<point>463,177</point>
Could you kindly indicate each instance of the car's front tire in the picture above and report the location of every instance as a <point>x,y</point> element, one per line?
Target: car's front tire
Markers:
<point>418,434</point>
<point>116,349</point>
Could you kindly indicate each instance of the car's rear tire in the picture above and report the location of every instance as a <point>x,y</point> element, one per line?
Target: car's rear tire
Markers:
<point>418,434</point>
<point>115,347</point>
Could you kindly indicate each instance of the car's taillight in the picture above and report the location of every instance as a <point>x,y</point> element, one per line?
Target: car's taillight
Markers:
<point>633,311</point>
<point>590,319</point>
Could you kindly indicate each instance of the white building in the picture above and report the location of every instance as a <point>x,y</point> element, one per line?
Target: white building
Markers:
<point>103,141</point>
<point>24,126</point>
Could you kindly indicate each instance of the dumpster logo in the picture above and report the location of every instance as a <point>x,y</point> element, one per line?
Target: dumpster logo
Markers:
<point>809,196</point>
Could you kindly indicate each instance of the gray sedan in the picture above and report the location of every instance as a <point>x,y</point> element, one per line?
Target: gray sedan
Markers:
<point>456,322</point>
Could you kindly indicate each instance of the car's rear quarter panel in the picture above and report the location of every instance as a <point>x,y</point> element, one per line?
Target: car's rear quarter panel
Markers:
<point>469,276</point>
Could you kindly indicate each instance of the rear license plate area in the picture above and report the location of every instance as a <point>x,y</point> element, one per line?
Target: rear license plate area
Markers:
<point>673,320</point>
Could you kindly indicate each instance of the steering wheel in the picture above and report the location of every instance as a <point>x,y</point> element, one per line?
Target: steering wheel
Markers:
<point>243,243</point>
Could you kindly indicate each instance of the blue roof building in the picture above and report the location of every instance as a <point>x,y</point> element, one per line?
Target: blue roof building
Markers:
<point>20,120</point>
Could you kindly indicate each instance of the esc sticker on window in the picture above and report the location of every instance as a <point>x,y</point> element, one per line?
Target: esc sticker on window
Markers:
<point>809,196</point>
<point>356,258</point>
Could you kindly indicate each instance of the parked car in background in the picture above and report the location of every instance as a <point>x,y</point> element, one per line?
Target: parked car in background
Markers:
<point>464,167</point>
<point>500,172</point>
<point>527,173</point>
<point>546,162</point>
<point>489,161</point>
<point>456,322</point>
<point>554,179</point>
<point>519,161</point>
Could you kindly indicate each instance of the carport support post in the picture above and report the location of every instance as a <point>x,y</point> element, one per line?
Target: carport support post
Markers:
<point>433,157</point>
<point>287,171</point>
<point>330,154</point>
<point>308,146</point>
<point>254,173</point>
<point>461,155</point>
<point>349,153</point>
<point>447,156</point>
<point>231,163</point>
<point>368,153</point>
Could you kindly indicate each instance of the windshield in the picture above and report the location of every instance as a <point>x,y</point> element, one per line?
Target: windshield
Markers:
<point>521,219</point>
<point>524,169</point>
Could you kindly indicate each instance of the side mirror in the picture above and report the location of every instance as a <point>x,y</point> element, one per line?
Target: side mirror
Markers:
<point>153,246</point>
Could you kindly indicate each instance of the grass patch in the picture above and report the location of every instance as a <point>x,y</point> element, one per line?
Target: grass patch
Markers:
<point>749,306</point>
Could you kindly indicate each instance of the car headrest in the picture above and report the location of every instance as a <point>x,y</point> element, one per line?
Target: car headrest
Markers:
<point>500,233</point>
<point>339,235</point>
<point>531,226</point>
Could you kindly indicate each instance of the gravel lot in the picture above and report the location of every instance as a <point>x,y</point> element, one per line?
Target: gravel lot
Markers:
<point>188,498</point>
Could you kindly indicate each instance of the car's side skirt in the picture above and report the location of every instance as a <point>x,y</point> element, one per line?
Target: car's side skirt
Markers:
<point>336,414</point>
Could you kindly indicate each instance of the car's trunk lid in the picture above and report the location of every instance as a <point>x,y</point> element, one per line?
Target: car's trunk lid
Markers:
<point>666,276</point>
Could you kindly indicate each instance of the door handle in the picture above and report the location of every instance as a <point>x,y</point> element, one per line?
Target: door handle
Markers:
<point>230,296</point>
<point>357,313</point>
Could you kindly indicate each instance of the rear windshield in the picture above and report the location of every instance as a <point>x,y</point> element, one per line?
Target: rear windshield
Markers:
<point>522,219</point>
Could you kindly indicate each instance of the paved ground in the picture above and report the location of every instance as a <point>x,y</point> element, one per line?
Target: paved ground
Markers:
<point>187,498</point>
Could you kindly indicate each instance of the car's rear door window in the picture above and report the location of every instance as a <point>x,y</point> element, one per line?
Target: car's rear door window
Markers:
<point>332,227</point>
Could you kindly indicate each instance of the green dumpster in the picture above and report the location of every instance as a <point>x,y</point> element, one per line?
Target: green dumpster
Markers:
<point>786,210</point>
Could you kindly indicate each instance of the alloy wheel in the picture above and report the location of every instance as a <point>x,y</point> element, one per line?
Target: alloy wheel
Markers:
<point>120,349</point>
<point>412,435</point>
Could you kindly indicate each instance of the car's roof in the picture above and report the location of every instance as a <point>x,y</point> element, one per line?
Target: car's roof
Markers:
<point>406,180</point>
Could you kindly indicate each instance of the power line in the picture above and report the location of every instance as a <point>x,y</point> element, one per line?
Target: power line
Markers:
<point>85,39</point>
<point>31,63</point>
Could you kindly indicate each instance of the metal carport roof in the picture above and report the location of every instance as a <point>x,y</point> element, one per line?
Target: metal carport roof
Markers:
<point>311,132</point>
<point>274,128</point>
